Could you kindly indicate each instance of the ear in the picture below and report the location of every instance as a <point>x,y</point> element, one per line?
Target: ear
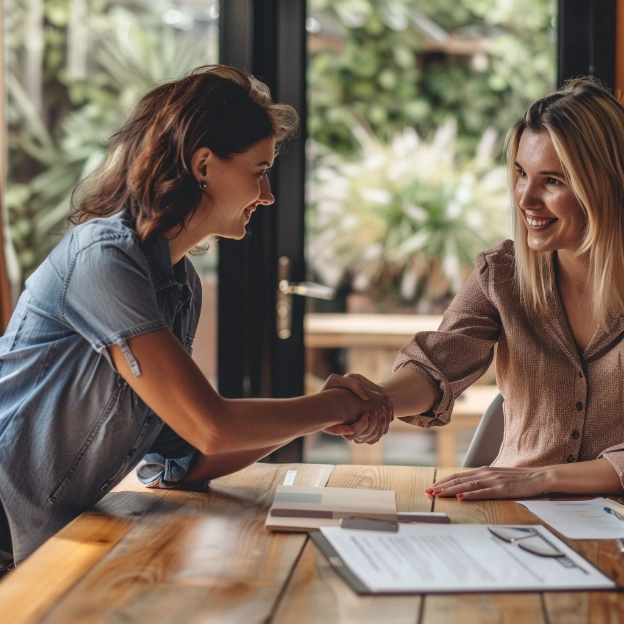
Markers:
<point>199,162</point>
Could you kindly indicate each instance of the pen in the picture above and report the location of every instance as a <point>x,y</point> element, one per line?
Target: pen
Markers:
<point>431,517</point>
<point>614,513</point>
<point>618,540</point>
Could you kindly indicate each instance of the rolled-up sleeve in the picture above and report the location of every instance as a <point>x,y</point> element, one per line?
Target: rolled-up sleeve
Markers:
<point>615,456</point>
<point>168,462</point>
<point>460,351</point>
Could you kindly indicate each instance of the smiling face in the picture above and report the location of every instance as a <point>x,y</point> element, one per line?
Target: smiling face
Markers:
<point>551,212</point>
<point>235,187</point>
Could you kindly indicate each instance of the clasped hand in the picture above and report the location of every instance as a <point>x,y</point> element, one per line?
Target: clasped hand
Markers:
<point>373,423</point>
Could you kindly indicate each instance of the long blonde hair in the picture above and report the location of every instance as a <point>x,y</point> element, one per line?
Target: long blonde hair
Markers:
<point>586,125</point>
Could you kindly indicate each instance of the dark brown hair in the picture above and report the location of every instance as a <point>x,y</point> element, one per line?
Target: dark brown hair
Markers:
<point>148,165</point>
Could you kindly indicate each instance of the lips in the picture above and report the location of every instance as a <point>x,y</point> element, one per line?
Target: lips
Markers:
<point>538,223</point>
<point>248,211</point>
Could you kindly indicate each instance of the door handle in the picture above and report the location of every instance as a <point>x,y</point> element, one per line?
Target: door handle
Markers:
<point>286,289</point>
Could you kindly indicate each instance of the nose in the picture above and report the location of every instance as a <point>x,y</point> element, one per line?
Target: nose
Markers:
<point>266,197</point>
<point>526,195</point>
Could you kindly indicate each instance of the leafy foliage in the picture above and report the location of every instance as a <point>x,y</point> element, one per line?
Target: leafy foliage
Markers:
<point>393,70</point>
<point>404,221</point>
<point>53,149</point>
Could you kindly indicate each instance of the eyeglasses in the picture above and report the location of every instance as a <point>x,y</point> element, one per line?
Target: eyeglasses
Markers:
<point>538,544</point>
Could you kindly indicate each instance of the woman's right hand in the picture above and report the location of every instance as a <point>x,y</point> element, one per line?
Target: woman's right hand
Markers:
<point>375,421</point>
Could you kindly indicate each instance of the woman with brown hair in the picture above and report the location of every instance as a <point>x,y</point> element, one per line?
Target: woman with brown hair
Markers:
<point>95,366</point>
<point>553,302</point>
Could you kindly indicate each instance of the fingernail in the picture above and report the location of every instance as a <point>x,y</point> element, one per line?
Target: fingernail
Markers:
<point>460,495</point>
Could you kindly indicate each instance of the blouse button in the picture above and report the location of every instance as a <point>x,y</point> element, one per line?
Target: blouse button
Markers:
<point>575,434</point>
<point>570,459</point>
<point>579,406</point>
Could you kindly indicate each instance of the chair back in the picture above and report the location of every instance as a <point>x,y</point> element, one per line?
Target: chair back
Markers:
<point>488,437</point>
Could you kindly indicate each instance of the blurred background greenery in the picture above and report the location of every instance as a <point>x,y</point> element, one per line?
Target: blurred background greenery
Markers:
<point>409,101</point>
<point>75,68</point>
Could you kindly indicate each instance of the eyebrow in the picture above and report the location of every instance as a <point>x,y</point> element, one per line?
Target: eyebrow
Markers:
<point>550,173</point>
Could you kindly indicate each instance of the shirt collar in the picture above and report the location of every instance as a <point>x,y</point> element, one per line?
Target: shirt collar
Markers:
<point>161,270</point>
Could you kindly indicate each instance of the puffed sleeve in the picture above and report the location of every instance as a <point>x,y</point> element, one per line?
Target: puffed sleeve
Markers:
<point>108,295</point>
<point>460,351</point>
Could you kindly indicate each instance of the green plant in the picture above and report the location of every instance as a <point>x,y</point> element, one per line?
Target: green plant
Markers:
<point>403,221</point>
<point>126,59</point>
<point>398,63</point>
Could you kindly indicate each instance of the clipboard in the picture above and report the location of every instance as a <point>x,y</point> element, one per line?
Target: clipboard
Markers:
<point>588,578</point>
<point>336,562</point>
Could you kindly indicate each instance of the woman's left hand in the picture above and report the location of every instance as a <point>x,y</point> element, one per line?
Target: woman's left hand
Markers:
<point>488,483</point>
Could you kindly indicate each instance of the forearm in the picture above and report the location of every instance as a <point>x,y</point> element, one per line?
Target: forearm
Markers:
<point>247,424</point>
<point>208,467</point>
<point>409,391</point>
<point>590,477</point>
<point>172,385</point>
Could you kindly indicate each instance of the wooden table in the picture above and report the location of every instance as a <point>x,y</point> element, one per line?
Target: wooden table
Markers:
<point>161,557</point>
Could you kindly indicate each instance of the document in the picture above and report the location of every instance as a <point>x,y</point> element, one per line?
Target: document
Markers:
<point>457,558</point>
<point>304,508</point>
<point>580,519</point>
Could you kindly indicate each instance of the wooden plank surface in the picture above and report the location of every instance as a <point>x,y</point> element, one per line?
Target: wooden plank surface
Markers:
<point>169,556</point>
<point>196,557</point>
<point>29,590</point>
<point>317,595</point>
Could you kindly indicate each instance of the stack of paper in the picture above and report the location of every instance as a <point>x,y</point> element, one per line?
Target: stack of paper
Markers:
<point>303,508</point>
<point>587,519</point>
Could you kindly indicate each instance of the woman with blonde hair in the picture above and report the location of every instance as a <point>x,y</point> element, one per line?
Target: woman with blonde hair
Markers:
<point>553,302</point>
<point>95,367</point>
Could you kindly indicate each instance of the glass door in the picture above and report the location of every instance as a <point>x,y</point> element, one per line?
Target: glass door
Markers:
<point>408,105</point>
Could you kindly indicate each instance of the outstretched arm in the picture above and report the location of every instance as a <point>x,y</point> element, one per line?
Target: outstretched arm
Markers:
<point>174,387</point>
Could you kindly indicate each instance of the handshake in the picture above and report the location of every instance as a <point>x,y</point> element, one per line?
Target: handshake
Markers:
<point>378,412</point>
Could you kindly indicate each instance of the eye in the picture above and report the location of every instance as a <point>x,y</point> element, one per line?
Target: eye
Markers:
<point>520,172</point>
<point>553,181</point>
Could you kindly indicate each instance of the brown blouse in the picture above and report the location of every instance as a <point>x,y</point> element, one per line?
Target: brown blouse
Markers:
<point>560,406</point>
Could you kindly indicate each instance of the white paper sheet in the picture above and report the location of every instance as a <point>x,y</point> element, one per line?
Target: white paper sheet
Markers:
<point>290,477</point>
<point>580,519</point>
<point>458,558</point>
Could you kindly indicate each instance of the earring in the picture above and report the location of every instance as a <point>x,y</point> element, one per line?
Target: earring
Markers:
<point>202,185</point>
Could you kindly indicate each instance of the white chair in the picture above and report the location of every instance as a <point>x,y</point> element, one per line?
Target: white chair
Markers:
<point>488,437</point>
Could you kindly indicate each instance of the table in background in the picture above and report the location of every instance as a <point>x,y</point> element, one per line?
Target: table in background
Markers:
<point>165,556</point>
<point>372,342</point>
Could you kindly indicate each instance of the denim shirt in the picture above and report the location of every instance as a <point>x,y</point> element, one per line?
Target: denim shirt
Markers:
<point>70,426</point>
